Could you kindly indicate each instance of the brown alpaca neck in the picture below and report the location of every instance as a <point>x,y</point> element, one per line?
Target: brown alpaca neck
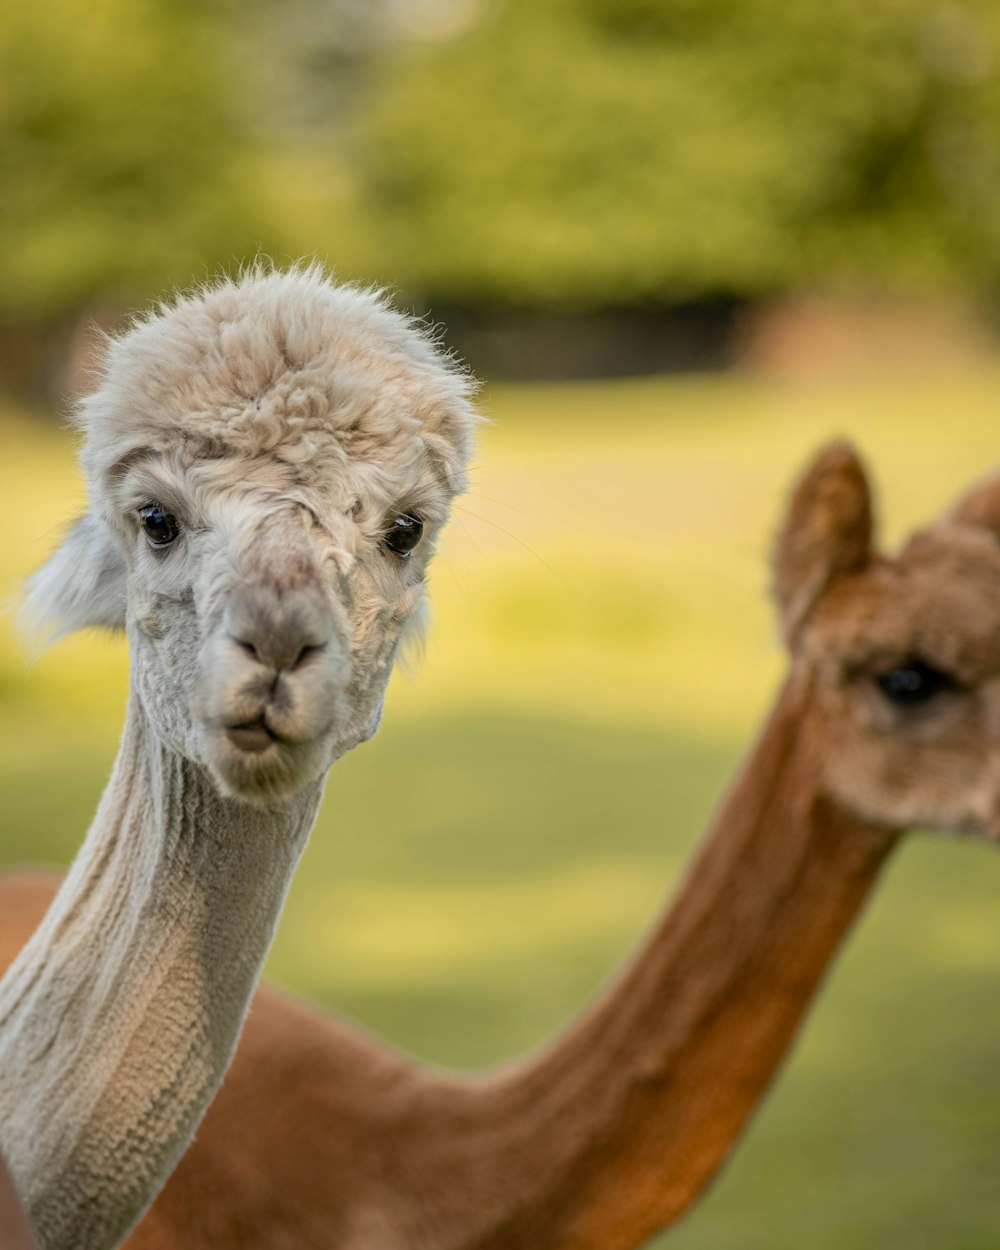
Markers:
<point>612,1132</point>
<point>605,1136</point>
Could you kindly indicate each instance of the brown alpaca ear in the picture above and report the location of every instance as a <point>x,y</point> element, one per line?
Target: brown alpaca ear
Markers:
<point>980,507</point>
<point>826,533</point>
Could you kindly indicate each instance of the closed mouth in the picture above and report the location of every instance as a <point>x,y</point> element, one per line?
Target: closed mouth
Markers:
<point>253,736</point>
<point>253,761</point>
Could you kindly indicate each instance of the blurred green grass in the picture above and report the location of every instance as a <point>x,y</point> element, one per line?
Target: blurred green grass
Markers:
<point>602,653</point>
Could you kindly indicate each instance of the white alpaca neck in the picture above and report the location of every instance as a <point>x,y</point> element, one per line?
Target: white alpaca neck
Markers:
<point>120,1016</point>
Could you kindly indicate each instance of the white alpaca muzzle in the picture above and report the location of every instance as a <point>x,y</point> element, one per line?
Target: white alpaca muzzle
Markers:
<point>275,676</point>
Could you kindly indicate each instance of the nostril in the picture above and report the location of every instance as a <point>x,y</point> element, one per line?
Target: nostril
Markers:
<point>279,631</point>
<point>277,656</point>
<point>246,646</point>
<point>306,653</point>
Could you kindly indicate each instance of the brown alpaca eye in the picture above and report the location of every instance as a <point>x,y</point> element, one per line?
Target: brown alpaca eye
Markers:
<point>403,535</point>
<point>914,683</point>
<point>159,527</point>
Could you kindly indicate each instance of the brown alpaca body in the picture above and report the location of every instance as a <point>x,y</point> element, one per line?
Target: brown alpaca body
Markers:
<point>321,1137</point>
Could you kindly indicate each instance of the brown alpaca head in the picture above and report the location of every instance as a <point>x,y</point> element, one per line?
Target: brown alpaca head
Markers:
<point>901,653</point>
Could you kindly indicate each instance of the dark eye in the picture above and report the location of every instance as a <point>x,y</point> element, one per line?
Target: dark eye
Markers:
<point>403,534</point>
<point>914,683</point>
<point>159,527</point>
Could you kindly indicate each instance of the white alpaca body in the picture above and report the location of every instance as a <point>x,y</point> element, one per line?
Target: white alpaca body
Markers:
<point>252,454</point>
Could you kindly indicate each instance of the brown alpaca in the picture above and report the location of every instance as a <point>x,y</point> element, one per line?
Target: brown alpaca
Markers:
<point>890,717</point>
<point>15,1232</point>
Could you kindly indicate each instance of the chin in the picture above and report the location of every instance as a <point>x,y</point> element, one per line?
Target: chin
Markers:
<point>269,778</point>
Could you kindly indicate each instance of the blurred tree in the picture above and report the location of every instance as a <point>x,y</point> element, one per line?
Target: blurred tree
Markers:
<point>123,165</point>
<point>530,153</point>
<point>602,152</point>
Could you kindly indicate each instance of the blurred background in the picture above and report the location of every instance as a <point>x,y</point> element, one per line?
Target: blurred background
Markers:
<point>683,242</point>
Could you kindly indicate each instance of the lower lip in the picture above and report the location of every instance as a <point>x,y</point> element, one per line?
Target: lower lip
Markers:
<point>252,739</point>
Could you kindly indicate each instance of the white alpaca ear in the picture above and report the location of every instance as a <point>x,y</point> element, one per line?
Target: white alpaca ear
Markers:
<point>82,584</point>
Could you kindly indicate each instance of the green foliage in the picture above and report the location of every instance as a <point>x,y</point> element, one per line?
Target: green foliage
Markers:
<point>580,153</point>
<point>613,151</point>
<point>121,157</point>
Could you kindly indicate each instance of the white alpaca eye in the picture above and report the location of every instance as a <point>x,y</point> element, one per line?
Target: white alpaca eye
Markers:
<point>159,526</point>
<point>404,534</point>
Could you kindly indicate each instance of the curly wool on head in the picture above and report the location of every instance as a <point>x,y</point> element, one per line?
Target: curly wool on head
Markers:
<point>286,364</point>
<point>253,391</point>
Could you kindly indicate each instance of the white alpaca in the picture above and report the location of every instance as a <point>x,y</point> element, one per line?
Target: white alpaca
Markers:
<point>268,464</point>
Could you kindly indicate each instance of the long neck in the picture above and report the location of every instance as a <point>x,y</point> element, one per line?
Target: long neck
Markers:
<point>611,1133</point>
<point>118,1019</point>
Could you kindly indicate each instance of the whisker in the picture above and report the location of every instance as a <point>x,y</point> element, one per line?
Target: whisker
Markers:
<point>468,534</point>
<point>474,494</point>
<point>457,566</point>
<point>520,542</point>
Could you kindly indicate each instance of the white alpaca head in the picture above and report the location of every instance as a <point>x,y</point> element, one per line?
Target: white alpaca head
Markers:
<point>269,462</point>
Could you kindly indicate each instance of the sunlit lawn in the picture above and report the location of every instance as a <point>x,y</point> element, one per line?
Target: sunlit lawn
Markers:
<point>601,653</point>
